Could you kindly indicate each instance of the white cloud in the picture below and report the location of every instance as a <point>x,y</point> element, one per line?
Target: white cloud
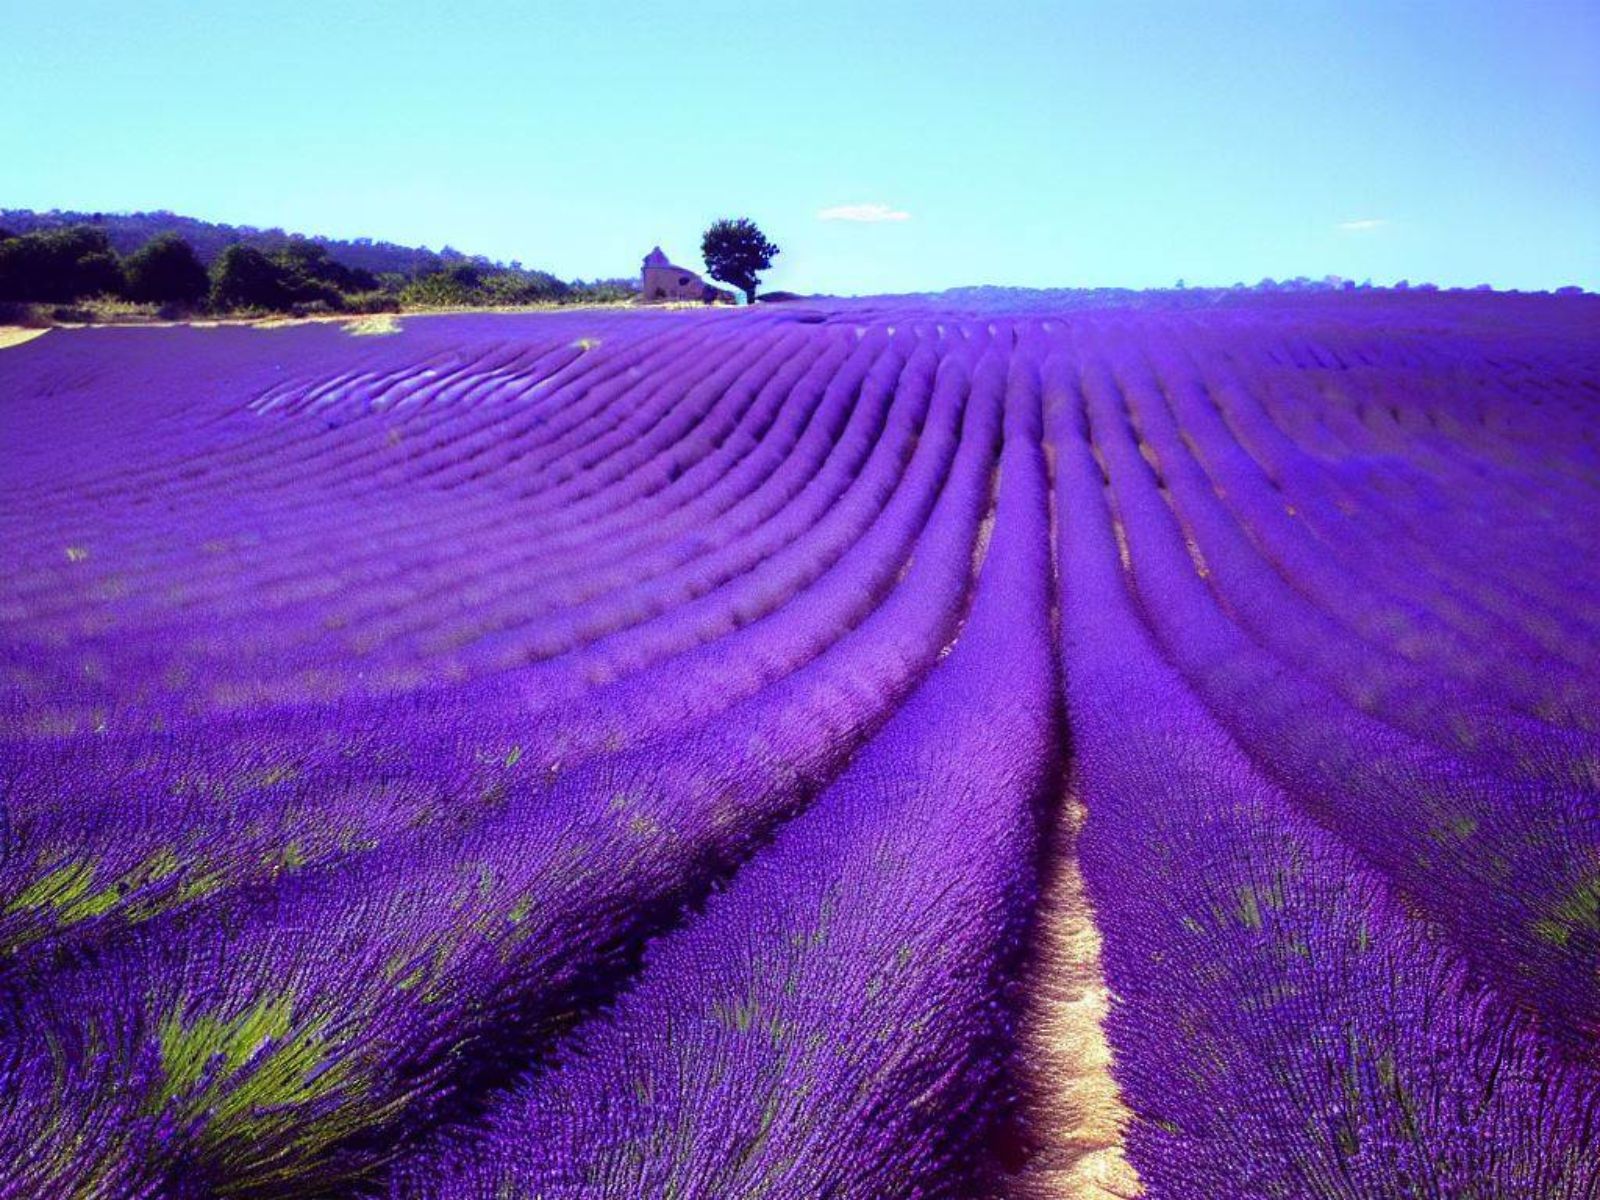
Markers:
<point>862,212</point>
<point>1364,225</point>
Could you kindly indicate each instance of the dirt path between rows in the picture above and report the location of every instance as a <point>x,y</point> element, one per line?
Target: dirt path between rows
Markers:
<point>1075,1114</point>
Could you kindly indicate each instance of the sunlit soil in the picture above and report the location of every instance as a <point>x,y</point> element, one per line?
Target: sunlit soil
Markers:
<point>16,335</point>
<point>1077,1117</point>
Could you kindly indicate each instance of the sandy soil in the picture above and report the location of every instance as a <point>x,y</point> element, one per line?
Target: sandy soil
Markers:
<point>15,335</point>
<point>361,325</point>
<point>367,325</point>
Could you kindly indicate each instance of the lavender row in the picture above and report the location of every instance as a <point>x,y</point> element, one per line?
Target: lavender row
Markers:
<point>1452,834</point>
<point>1282,1024</point>
<point>837,1021</point>
<point>1267,601</point>
<point>1360,491</point>
<point>209,635</point>
<point>365,998</point>
<point>276,492</point>
<point>75,861</point>
<point>1353,584</point>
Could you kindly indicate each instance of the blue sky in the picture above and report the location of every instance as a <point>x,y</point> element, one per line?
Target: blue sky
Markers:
<point>1072,144</point>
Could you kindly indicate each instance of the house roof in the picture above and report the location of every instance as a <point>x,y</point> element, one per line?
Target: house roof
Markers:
<point>657,260</point>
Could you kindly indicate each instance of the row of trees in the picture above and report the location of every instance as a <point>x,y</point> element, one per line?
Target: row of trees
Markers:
<point>129,231</point>
<point>75,263</point>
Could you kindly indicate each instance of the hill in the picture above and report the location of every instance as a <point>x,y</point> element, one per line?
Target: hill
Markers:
<point>106,265</point>
<point>129,231</point>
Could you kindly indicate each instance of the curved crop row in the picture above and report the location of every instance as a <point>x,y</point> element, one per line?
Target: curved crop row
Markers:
<point>834,1024</point>
<point>451,955</point>
<point>620,753</point>
<point>1283,1027</point>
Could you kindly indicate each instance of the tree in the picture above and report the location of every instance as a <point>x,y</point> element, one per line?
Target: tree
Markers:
<point>165,270</point>
<point>310,275</point>
<point>468,274</point>
<point>59,265</point>
<point>98,273</point>
<point>246,278</point>
<point>308,264</point>
<point>734,251</point>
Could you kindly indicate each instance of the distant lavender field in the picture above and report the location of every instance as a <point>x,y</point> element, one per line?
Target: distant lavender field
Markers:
<point>1000,747</point>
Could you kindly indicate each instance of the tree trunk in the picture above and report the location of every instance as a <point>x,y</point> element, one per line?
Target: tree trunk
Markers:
<point>750,294</point>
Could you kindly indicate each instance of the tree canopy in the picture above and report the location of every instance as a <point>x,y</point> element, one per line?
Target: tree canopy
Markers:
<point>734,251</point>
<point>246,278</point>
<point>59,265</point>
<point>166,270</point>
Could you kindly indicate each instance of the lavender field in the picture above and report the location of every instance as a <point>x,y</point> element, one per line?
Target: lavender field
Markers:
<point>997,746</point>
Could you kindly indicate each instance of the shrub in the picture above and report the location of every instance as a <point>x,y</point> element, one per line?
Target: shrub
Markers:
<point>602,291</point>
<point>376,301</point>
<point>438,290</point>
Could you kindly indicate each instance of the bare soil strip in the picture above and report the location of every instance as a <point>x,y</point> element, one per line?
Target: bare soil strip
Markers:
<point>1075,1114</point>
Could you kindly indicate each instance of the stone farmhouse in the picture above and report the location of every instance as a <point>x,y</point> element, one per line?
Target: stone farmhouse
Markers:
<point>663,283</point>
